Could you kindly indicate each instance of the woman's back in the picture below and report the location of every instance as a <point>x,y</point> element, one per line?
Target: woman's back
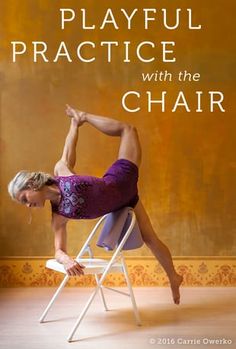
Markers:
<point>92,197</point>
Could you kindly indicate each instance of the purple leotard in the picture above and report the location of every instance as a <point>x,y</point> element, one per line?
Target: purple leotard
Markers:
<point>92,197</point>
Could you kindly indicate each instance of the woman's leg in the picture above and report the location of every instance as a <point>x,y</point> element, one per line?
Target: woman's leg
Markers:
<point>65,166</point>
<point>129,144</point>
<point>69,150</point>
<point>160,251</point>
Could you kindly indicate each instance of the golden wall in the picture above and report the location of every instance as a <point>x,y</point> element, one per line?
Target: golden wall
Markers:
<point>187,176</point>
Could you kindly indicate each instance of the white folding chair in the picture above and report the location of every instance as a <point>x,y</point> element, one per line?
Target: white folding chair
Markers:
<point>97,267</point>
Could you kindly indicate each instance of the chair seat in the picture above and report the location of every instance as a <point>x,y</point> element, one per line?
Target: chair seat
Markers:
<point>92,265</point>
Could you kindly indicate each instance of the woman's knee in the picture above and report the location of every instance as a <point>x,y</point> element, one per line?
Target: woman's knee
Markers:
<point>130,132</point>
<point>129,128</point>
<point>130,146</point>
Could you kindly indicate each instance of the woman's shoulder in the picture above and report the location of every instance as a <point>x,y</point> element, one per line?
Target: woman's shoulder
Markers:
<point>61,169</point>
<point>58,220</point>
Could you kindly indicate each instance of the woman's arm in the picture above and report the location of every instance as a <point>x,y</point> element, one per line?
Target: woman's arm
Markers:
<point>71,266</point>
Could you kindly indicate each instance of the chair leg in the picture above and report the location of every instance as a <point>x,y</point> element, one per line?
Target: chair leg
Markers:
<point>135,309</point>
<point>89,250</point>
<point>54,298</point>
<point>101,293</point>
<point>82,314</point>
<point>84,311</point>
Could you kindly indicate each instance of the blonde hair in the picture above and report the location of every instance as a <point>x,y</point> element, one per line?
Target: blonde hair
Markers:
<point>26,180</point>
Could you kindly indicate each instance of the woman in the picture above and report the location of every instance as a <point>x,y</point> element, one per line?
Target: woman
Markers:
<point>74,197</point>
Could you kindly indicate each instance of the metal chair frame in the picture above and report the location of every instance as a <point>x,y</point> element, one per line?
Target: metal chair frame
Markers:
<point>97,267</point>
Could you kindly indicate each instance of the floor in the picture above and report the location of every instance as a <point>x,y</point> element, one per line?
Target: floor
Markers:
<point>204,316</point>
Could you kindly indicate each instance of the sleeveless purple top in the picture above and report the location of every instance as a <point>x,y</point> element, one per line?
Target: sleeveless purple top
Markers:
<point>84,197</point>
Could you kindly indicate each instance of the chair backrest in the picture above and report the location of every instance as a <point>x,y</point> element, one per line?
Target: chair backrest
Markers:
<point>86,247</point>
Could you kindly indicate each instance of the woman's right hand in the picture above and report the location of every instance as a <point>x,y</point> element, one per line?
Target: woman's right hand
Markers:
<point>73,268</point>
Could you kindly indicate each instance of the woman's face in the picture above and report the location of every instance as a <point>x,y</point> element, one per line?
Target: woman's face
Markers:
<point>31,197</point>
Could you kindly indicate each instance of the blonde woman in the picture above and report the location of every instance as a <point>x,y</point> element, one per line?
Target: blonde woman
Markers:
<point>74,196</point>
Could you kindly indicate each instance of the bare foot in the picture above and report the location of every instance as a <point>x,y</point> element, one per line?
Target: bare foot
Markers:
<point>176,281</point>
<point>77,115</point>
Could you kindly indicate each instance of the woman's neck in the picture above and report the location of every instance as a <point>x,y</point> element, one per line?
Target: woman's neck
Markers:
<point>52,193</point>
